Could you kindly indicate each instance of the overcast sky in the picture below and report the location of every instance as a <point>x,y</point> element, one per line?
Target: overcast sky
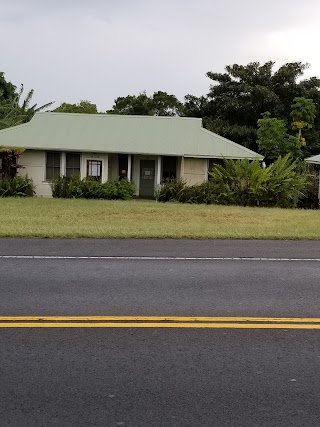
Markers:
<point>68,50</point>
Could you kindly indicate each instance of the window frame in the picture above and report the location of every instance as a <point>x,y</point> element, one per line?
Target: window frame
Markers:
<point>99,161</point>
<point>75,170</point>
<point>46,179</point>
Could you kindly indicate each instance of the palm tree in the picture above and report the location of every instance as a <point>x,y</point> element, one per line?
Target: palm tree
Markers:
<point>17,110</point>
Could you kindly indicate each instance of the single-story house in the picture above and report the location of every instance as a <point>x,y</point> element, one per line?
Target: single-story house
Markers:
<point>145,149</point>
<point>315,160</point>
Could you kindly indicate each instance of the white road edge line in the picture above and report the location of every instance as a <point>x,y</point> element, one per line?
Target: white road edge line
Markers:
<point>157,258</point>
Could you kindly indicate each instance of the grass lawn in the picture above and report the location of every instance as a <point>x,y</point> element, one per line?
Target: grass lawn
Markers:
<point>141,219</point>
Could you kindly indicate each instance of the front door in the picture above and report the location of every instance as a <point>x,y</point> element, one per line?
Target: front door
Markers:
<point>147,175</point>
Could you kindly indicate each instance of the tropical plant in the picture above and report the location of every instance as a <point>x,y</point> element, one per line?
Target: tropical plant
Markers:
<point>18,186</point>
<point>15,108</point>
<point>303,114</point>
<point>244,183</point>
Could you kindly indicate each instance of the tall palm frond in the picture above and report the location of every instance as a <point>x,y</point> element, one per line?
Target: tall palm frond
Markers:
<point>17,110</point>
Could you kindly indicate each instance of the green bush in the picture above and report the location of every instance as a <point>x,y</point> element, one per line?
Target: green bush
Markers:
<point>89,188</point>
<point>311,200</point>
<point>244,183</point>
<point>18,186</point>
<point>179,191</point>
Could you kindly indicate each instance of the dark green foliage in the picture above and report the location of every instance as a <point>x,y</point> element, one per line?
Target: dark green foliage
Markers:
<point>89,188</point>
<point>84,107</point>
<point>159,104</point>
<point>238,97</point>
<point>7,89</point>
<point>15,108</point>
<point>244,183</point>
<point>9,161</point>
<point>18,186</point>
<point>311,200</point>
<point>179,191</point>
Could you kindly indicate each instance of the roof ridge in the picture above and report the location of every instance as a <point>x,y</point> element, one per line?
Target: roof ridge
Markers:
<point>118,115</point>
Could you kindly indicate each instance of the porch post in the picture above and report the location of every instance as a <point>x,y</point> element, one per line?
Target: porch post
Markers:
<point>105,168</point>
<point>182,169</point>
<point>129,167</point>
<point>63,164</point>
<point>158,178</point>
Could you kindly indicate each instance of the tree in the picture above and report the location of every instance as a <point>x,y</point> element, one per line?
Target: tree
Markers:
<point>274,140</point>
<point>16,109</point>
<point>303,114</point>
<point>9,164</point>
<point>84,107</point>
<point>238,97</point>
<point>196,106</point>
<point>139,105</point>
<point>7,89</point>
<point>159,104</point>
<point>166,105</point>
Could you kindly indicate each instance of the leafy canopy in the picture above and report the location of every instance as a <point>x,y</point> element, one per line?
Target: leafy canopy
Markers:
<point>239,96</point>
<point>84,107</point>
<point>159,104</point>
<point>274,140</point>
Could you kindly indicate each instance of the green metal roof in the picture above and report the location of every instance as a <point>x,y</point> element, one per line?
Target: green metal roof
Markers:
<point>153,135</point>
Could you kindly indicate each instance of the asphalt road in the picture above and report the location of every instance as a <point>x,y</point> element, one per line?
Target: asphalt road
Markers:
<point>157,376</point>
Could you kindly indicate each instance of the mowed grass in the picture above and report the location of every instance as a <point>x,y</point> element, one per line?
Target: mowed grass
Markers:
<point>63,218</point>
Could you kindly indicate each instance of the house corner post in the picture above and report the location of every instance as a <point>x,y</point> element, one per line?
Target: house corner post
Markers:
<point>129,167</point>
<point>63,164</point>
<point>158,177</point>
<point>106,168</point>
<point>182,168</point>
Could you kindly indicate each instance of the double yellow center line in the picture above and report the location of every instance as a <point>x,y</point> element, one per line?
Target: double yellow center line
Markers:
<point>159,322</point>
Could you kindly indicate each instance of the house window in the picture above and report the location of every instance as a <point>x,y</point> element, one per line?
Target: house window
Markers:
<point>52,165</point>
<point>94,169</point>
<point>72,164</point>
<point>169,167</point>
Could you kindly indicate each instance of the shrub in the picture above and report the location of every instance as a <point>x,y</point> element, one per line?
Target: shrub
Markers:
<point>171,190</point>
<point>244,183</point>
<point>311,200</point>
<point>179,191</point>
<point>89,188</point>
<point>66,187</point>
<point>18,186</point>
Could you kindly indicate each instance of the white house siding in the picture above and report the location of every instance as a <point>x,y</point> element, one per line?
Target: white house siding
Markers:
<point>34,166</point>
<point>194,170</point>
<point>94,156</point>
